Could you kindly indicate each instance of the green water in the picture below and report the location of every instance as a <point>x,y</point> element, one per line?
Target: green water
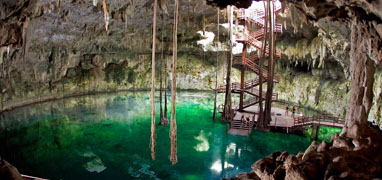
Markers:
<point>107,137</point>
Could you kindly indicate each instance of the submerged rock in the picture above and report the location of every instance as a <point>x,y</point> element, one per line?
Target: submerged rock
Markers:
<point>95,165</point>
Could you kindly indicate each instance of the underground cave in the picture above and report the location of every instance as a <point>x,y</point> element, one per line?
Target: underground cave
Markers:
<point>191,89</point>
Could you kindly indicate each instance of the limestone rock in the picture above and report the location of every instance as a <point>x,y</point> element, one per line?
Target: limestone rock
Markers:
<point>294,173</point>
<point>9,172</point>
<point>283,156</point>
<point>310,151</point>
<point>343,158</point>
<point>244,176</point>
<point>341,142</point>
<point>323,146</point>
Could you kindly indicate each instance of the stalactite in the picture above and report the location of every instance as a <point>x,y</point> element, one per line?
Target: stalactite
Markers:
<point>362,71</point>
<point>153,133</point>
<point>2,52</point>
<point>8,50</point>
<point>163,6</point>
<point>27,33</point>
<point>125,19</point>
<point>106,15</point>
<point>236,23</point>
<point>59,6</point>
<point>95,2</point>
<point>173,126</point>
<point>204,24</point>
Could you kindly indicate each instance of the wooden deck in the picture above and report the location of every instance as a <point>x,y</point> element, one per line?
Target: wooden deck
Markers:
<point>280,119</point>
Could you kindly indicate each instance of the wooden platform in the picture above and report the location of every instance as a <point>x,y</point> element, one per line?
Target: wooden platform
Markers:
<point>280,119</point>
<point>239,132</point>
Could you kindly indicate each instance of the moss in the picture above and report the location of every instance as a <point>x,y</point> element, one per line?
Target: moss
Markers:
<point>115,73</point>
<point>131,76</point>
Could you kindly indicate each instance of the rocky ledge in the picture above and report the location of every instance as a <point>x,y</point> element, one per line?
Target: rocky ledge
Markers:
<point>342,158</point>
<point>7,171</point>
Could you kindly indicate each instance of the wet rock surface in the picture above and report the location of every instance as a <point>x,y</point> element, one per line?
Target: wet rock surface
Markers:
<point>9,172</point>
<point>342,158</point>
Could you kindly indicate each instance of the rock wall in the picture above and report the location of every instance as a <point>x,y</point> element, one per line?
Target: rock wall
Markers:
<point>314,90</point>
<point>69,73</point>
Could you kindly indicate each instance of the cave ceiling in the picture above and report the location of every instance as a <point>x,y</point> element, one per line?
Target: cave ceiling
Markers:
<point>62,22</point>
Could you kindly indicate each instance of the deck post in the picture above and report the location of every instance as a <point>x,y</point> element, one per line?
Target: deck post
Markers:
<point>268,99</point>
<point>315,130</point>
<point>227,111</point>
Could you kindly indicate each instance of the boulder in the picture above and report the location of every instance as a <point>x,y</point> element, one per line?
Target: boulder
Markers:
<point>295,173</point>
<point>264,168</point>
<point>282,157</point>
<point>310,151</point>
<point>9,172</point>
<point>323,146</point>
<point>342,142</point>
<point>244,176</point>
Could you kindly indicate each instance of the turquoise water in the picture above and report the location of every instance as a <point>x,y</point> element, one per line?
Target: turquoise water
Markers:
<point>107,136</point>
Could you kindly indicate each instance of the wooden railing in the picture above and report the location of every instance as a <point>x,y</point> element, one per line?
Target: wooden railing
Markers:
<point>257,17</point>
<point>255,58</point>
<point>256,68</point>
<point>237,86</point>
<point>319,119</point>
<point>258,45</point>
<point>250,101</point>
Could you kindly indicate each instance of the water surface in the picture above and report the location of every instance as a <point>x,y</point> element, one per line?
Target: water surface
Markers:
<point>107,136</point>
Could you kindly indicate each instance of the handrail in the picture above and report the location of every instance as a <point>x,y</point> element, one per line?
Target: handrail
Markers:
<point>319,119</point>
<point>258,44</point>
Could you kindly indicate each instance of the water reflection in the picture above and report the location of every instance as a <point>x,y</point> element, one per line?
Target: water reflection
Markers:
<point>203,145</point>
<point>217,166</point>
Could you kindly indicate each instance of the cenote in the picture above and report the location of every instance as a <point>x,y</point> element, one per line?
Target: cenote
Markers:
<point>107,136</point>
<point>75,77</point>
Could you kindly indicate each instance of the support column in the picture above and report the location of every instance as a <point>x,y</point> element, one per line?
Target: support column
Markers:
<point>315,131</point>
<point>268,100</point>
<point>227,111</point>
<point>362,70</point>
<point>242,82</point>
<point>260,120</point>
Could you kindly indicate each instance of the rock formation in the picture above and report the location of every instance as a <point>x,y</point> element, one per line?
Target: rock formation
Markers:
<point>7,171</point>
<point>343,158</point>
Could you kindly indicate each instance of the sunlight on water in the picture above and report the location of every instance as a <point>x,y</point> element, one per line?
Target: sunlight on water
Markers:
<point>203,146</point>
